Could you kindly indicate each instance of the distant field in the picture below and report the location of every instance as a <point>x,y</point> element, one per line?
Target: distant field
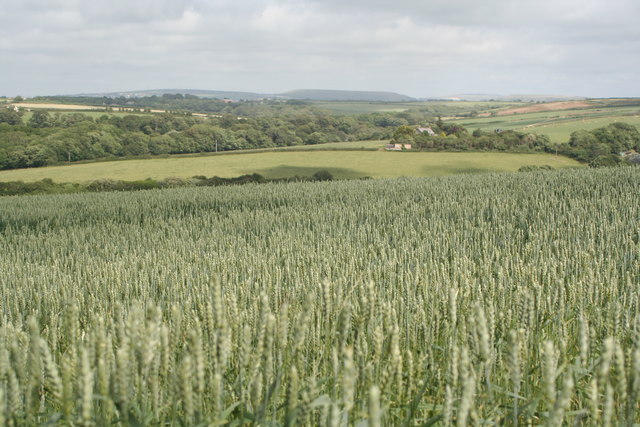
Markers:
<point>342,164</point>
<point>561,131</point>
<point>347,107</point>
<point>95,114</point>
<point>93,111</point>
<point>50,106</point>
<point>558,124</point>
<point>75,107</point>
<point>445,107</point>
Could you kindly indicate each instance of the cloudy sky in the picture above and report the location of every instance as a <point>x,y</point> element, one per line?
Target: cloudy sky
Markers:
<point>419,48</point>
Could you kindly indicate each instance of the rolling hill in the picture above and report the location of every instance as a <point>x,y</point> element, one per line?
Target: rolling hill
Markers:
<point>302,94</point>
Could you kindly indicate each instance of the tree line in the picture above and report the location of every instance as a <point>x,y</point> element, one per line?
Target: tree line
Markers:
<point>605,146</point>
<point>47,138</point>
<point>616,143</point>
<point>442,136</point>
<point>48,186</point>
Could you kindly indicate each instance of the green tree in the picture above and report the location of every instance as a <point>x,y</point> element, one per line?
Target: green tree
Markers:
<point>135,144</point>
<point>10,116</point>
<point>404,134</point>
<point>41,119</point>
<point>605,160</point>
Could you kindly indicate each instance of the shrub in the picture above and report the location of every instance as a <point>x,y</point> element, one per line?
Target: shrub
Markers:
<point>322,175</point>
<point>531,168</point>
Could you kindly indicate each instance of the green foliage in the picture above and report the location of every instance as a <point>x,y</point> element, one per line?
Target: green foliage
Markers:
<point>44,186</point>
<point>41,119</point>
<point>533,168</point>
<point>454,137</point>
<point>69,137</point>
<point>243,179</point>
<point>47,186</point>
<point>404,134</point>
<point>117,185</point>
<point>605,160</point>
<point>601,146</point>
<point>490,299</point>
<point>322,175</point>
<point>10,116</point>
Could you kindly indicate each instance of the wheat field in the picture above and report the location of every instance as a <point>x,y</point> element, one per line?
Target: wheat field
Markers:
<point>495,299</point>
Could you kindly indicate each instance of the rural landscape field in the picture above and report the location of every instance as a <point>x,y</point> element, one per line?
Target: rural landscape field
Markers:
<point>464,270</point>
<point>283,213</point>
<point>467,280</point>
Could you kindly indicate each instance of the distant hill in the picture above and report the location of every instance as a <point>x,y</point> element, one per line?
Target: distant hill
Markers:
<point>335,95</point>
<point>219,94</point>
<point>303,94</point>
<point>345,95</point>
<point>506,98</point>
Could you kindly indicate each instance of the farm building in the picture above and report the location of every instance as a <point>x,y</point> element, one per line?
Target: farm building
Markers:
<point>428,130</point>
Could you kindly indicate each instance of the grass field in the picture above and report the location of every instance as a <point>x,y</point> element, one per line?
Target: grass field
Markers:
<point>561,131</point>
<point>351,145</point>
<point>342,164</point>
<point>558,124</point>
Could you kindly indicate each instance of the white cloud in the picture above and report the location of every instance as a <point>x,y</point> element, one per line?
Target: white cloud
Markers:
<point>412,46</point>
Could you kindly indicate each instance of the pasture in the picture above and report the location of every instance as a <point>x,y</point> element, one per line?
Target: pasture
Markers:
<point>342,164</point>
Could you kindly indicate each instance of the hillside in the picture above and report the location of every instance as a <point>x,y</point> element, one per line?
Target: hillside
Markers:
<point>217,94</point>
<point>302,94</point>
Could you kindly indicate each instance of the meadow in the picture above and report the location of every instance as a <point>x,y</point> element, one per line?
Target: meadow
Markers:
<point>494,299</point>
<point>341,163</point>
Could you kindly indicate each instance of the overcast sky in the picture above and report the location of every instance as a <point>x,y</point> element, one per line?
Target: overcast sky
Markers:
<point>419,48</point>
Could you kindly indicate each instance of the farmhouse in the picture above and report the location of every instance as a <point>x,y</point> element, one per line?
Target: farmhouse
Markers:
<point>428,130</point>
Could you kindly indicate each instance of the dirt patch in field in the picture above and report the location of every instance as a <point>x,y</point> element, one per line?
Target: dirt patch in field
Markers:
<point>550,106</point>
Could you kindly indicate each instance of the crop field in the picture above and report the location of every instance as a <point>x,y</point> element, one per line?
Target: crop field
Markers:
<point>283,164</point>
<point>494,299</point>
<point>85,109</point>
<point>444,107</point>
<point>362,107</point>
